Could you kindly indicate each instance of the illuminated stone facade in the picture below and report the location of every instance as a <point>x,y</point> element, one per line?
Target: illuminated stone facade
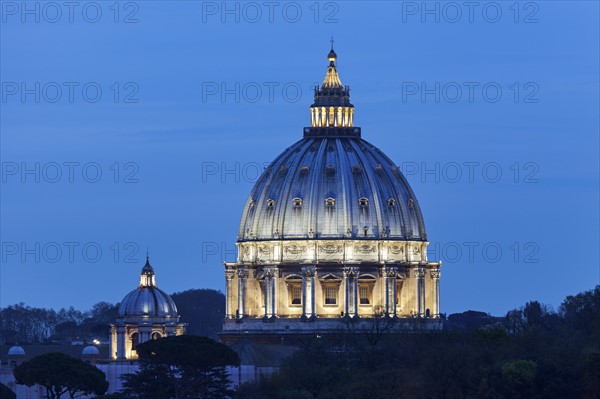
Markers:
<point>331,231</point>
<point>332,278</point>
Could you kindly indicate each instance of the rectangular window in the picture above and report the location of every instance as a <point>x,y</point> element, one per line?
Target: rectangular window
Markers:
<point>364,291</point>
<point>296,294</point>
<point>398,295</point>
<point>331,292</point>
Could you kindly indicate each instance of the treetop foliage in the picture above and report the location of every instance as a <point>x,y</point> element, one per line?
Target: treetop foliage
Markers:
<point>6,392</point>
<point>201,353</point>
<point>182,367</point>
<point>533,353</point>
<point>60,374</point>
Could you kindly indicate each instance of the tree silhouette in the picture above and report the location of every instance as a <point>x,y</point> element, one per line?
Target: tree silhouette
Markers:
<point>61,374</point>
<point>6,392</point>
<point>182,367</point>
<point>533,353</point>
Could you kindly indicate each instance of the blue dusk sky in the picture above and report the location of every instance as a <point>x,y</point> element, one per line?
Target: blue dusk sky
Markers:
<point>143,125</point>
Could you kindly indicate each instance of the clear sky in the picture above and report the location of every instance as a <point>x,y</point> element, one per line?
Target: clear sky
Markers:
<point>144,126</point>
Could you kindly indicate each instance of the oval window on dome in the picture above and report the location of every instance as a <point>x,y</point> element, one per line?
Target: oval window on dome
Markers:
<point>330,202</point>
<point>363,202</point>
<point>391,202</point>
<point>297,202</point>
<point>270,203</point>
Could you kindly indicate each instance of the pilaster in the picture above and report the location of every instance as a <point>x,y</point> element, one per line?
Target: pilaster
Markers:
<point>243,274</point>
<point>351,291</point>
<point>435,276</point>
<point>270,275</point>
<point>390,274</point>
<point>419,274</point>
<point>308,292</point>
<point>229,275</point>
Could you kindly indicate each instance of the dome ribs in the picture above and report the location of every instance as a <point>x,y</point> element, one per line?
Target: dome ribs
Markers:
<point>375,208</point>
<point>289,192</point>
<point>345,169</point>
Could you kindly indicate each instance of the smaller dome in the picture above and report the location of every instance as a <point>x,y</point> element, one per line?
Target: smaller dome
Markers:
<point>16,351</point>
<point>147,300</point>
<point>90,350</point>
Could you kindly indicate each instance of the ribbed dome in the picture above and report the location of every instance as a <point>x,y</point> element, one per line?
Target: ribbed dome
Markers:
<point>336,187</point>
<point>147,299</point>
<point>332,184</point>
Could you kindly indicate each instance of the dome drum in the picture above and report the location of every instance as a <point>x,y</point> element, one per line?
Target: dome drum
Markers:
<point>332,251</point>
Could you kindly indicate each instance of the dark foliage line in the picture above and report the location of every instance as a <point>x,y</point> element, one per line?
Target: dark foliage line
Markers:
<point>202,309</point>
<point>533,353</point>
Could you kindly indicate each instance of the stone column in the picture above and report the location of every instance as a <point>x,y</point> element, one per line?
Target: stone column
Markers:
<point>144,332</point>
<point>435,275</point>
<point>390,274</point>
<point>229,275</point>
<point>270,274</point>
<point>112,348</point>
<point>121,342</point>
<point>419,274</point>
<point>351,291</point>
<point>242,278</point>
<point>308,292</point>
